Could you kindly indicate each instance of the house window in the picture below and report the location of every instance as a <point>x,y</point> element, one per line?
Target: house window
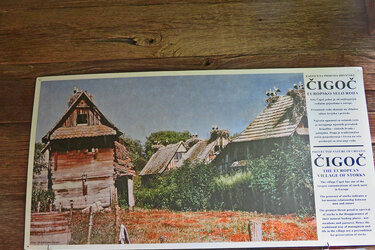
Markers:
<point>81,119</point>
<point>178,156</point>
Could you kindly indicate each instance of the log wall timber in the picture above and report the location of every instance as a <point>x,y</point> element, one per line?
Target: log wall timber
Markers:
<point>77,170</point>
<point>40,38</point>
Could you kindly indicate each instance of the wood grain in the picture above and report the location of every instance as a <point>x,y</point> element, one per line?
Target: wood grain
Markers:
<point>67,177</point>
<point>13,165</point>
<point>370,6</point>
<point>39,38</point>
<point>175,29</point>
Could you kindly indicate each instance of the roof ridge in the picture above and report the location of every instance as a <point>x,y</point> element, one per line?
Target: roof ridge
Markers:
<point>267,125</point>
<point>170,145</point>
<point>75,103</point>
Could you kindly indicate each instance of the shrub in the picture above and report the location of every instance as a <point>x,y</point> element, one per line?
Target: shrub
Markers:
<point>231,191</point>
<point>187,188</point>
<point>285,177</point>
<point>278,182</point>
<point>45,197</point>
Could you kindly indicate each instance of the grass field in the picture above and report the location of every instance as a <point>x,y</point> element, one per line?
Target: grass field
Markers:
<point>148,226</point>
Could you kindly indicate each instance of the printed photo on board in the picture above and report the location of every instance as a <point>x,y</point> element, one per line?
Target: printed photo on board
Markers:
<point>172,159</point>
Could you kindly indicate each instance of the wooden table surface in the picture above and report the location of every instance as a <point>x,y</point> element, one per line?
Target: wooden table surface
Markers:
<point>40,38</point>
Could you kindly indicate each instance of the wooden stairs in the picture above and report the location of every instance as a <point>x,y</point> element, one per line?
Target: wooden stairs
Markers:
<point>50,228</point>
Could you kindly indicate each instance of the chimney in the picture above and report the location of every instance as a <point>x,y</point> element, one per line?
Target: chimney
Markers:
<point>218,133</point>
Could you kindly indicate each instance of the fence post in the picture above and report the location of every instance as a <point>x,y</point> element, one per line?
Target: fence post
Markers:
<point>255,230</point>
<point>38,207</point>
<point>131,193</point>
<point>90,226</point>
<point>117,223</point>
<point>71,211</point>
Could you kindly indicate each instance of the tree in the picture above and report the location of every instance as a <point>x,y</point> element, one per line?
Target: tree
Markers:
<point>44,197</point>
<point>136,152</point>
<point>39,161</point>
<point>164,138</point>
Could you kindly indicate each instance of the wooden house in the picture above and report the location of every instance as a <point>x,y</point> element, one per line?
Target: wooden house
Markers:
<point>195,149</point>
<point>166,158</point>
<point>206,150</point>
<point>284,117</point>
<point>84,156</point>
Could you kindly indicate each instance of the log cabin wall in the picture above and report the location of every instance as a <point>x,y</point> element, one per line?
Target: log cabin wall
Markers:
<point>41,38</point>
<point>81,161</point>
<point>240,151</point>
<point>82,176</point>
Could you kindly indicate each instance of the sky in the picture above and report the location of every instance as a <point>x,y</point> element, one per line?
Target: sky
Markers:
<point>139,106</point>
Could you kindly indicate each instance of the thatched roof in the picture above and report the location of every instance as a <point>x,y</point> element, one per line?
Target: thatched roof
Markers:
<point>200,151</point>
<point>74,101</point>
<point>192,141</point>
<point>272,122</point>
<point>161,158</point>
<point>195,150</point>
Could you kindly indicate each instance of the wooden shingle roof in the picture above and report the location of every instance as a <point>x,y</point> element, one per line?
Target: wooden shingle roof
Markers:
<point>270,123</point>
<point>57,132</point>
<point>82,131</point>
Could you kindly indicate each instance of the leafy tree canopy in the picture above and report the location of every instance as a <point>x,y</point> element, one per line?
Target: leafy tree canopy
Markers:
<point>136,152</point>
<point>164,138</point>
